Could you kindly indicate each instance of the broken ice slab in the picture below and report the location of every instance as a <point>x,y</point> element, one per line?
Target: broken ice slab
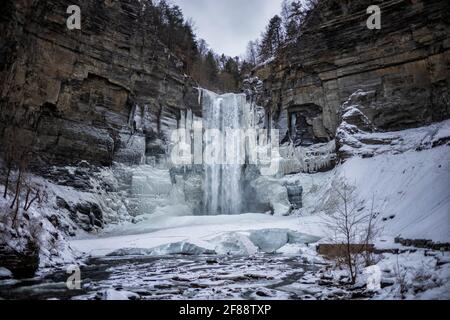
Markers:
<point>270,240</point>
<point>232,243</point>
<point>177,248</point>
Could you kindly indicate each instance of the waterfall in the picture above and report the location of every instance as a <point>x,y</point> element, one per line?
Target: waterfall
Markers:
<point>224,147</point>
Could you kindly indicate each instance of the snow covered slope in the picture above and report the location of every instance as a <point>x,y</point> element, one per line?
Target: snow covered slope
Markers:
<point>412,191</point>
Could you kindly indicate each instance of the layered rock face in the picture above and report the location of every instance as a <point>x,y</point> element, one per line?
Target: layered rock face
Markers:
<point>404,67</point>
<point>108,92</point>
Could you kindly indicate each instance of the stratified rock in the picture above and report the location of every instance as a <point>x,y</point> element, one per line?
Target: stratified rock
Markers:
<point>108,92</point>
<point>358,136</point>
<point>404,66</point>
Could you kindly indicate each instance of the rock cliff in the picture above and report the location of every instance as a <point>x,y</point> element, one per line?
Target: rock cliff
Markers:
<point>404,68</point>
<point>108,92</point>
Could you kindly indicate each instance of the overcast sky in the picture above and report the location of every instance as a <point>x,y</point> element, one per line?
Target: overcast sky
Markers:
<point>228,25</point>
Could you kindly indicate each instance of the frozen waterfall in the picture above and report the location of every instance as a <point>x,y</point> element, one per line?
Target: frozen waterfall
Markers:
<point>225,153</point>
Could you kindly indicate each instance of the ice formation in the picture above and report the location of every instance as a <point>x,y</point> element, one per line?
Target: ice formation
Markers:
<point>307,159</point>
<point>223,115</point>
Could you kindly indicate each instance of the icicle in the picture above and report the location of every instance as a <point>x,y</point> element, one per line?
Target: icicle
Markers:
<point>200,92</point>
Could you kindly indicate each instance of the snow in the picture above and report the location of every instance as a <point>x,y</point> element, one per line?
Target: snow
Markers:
<point>265,62</point>
<point>307,159</point>
<point>359,143</point>
<point>413,188</point>
<point>209,232</point>
<point>116,295</point>
<point>5,273</point>
<point>405,173</point>
<point>271,240</point>
<point>411,193</point>
<point>414,276</point>
<point>177,248</point>
<point>443,132</point>
<point>54,248</point>
<point>271,191</point>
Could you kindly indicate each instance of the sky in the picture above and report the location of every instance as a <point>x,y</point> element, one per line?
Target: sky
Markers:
<point>228,25</point>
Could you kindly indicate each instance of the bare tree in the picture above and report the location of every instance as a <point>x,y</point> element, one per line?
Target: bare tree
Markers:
<point>372,230</point>
<point>353,227</point>
<point>9,158</point>
<point>24,155</point>
<point>32,193</point>
<point>252,52</point>
<point>17,156</point>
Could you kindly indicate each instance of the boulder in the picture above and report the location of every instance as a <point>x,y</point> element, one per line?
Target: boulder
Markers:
<point>5,273</point>
<point>23,264</point>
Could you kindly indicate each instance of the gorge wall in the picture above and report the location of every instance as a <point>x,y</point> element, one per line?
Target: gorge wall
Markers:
<point>108,92</point>
<point>112,91</point>
<point>403,68</point>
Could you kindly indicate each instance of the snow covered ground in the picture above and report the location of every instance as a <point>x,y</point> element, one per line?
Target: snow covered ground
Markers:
<point>411,191</point>
<point>208,232</point>
<point>409,181</point>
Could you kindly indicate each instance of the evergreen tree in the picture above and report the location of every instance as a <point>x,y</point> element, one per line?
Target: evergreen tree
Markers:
<point>232,68</point>
<point>211,67</point>
<point>272,38</point>
<point>294,13</point>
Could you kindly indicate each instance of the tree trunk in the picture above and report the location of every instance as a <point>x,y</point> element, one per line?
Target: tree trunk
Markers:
<point>8,173</point>
<point>27,197</point>
<point>16,211</point>
<point>16,196</point>
<point>27,207</point>
<point>350,262</point>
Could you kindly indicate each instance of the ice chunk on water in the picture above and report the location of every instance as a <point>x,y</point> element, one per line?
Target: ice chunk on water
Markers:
<point>130,252</point>
<point>184,248</point>
<point>290,249</point>
<point>115,295</point>
<point>229,243</point>
<point>176,248</point>
<point>269,240</point>
<point>234,243</point>
<point>301,238</point>
<point>5,273</point>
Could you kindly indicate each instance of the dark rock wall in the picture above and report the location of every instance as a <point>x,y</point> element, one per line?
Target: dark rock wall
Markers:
<point>405,67</point>
<point>23,265</point>
<point>112,92</point>
<point>102,94</point>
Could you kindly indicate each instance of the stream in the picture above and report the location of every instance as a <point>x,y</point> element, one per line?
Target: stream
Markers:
<point>176,277</point>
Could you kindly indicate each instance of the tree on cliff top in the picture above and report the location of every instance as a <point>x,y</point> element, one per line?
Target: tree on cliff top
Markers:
<point>167,23</point>
<point>272,38</point>
<point>280,30</point>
